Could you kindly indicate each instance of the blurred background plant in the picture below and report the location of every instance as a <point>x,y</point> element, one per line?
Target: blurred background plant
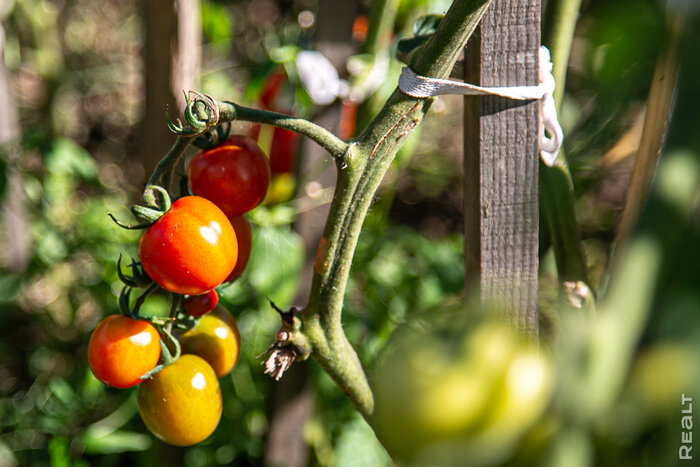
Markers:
<point>72,116</point>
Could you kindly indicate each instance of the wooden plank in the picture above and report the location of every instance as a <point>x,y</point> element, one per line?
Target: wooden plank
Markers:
<point>501,163</point>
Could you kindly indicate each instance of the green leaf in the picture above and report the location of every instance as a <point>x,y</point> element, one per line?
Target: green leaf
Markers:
<point>7,458</point>
<point>9,287</point>
<point>63,392</point>
<point>284,54</point>
<point>58,452</point>
<point>118,441</point>
<point>217,22</point>
<point>426,25</point>
<point>276,259</point>
<point>68,158</point>
<point>357,446</point>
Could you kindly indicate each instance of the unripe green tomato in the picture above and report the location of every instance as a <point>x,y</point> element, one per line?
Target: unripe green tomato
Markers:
<point>661,373</point>
<point>438,388</point>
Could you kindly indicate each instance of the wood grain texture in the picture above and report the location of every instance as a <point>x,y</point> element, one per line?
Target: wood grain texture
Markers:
<point>501,162</point>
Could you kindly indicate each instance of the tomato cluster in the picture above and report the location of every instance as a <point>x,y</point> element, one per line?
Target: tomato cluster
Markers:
<point>189,247</point>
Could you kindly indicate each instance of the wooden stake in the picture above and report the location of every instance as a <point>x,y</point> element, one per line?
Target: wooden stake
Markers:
<point>501,163</point>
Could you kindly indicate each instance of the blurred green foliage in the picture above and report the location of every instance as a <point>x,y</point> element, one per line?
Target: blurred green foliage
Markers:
<point>76,76</point>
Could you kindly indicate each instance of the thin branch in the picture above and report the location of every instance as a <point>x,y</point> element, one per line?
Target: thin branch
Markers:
<point>204,112</point>
<point>655,124</point>
<point>171,158</point>
<point>564,21</point>
<point>230,111</point>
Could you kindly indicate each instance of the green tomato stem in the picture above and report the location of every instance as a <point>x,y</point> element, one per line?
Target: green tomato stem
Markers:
<point>165,165</point>
<point>335,146</point>
<point>557,196</point>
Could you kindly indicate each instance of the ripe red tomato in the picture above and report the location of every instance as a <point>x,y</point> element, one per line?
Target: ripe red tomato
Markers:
<point>234,175</point>
<point>216,340</point>
<point>245,241</point>
<point>191,249</point>
<point>283,149</point>
<point>181,404</point>
<point>197,305</point>
<point>122,349</point>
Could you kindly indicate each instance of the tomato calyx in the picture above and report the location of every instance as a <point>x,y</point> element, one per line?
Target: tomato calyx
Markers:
<point>156,202</point>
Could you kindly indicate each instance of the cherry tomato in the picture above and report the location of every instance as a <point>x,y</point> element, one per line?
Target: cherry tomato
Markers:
<point>245,241</point>
<point>122,349</point>
<point>181,404</point>
<point>282,148</point>
<point>191,249</point>
<point>234,175</point>
<point>215,339</point>
<point>197,305</point>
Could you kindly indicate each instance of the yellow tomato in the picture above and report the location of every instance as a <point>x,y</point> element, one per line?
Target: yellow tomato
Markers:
<point>181,404</point>
<point>215,339</point>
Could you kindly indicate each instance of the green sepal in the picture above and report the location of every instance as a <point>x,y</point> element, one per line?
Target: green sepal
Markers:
<point>156,197</point>
<point>155,202</point>
<point>147,214</point>
<point>124,298</point>
<point>138,277</point>
<point>129,226</point>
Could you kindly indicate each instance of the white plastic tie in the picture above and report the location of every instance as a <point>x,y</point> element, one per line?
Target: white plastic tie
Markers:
<point>421,87</point>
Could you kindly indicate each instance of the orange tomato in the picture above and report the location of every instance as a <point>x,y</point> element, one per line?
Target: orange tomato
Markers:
<point>122,349</point>
<point>191,249</point>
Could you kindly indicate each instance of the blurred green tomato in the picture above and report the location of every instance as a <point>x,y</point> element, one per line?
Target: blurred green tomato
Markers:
<point>662,372</point>
<point>439,390</point>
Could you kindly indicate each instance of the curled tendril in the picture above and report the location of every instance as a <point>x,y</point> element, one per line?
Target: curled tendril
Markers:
<point>177,127</point>
<point>201,112</point>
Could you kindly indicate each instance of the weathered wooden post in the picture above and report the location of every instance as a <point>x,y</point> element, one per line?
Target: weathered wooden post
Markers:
<point>501,162</point>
